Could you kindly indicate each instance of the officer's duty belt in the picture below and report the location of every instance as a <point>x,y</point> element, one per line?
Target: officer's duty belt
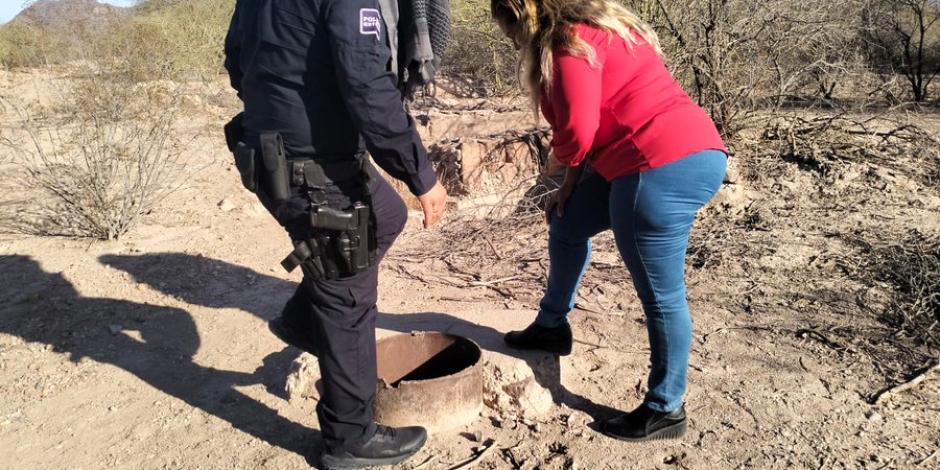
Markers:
<point>321,172</point>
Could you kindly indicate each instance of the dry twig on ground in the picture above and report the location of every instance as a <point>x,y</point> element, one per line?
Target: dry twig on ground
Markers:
<point>919,377</point>
<point>818,142</point>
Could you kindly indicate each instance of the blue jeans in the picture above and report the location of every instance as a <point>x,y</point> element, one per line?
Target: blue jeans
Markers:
<point>651,214</point>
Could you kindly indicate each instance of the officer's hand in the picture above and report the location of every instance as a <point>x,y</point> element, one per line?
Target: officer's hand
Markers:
<point>433,203</point>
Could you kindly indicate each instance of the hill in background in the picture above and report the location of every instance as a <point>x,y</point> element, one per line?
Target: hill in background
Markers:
<point>155,38</point>
<point>63,13</point>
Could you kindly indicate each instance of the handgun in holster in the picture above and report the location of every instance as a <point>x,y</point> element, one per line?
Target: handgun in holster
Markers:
<point>343,243</point>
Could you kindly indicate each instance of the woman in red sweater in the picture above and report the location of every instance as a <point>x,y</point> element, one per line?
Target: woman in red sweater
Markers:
<point>597,73</point>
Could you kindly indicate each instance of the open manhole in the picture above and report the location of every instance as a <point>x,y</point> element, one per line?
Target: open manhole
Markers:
<point>428,379</point>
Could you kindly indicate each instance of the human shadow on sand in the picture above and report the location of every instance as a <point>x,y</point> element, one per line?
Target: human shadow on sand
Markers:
<point>155,343</point>
<point>209,282</point>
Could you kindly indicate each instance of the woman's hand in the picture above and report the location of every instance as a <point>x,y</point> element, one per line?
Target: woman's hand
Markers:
<point>553,167</point>
<point>557,202</point>
<point>560,199</point>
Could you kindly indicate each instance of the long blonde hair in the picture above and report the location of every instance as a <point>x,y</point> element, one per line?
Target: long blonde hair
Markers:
<point>542,25</point>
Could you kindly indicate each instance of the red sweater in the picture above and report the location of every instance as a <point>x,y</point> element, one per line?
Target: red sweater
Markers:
<point>629,114</point>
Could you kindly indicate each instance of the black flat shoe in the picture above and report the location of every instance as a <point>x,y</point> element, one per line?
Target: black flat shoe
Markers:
<point>554,340</point>
<point>644,424</point>
<point>291,335</point>
<point>388,446</point>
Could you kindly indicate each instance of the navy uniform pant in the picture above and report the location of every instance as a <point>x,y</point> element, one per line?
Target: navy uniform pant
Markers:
<point>339,315</point>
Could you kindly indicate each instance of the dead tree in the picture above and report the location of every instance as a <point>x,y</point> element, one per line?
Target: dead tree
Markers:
<point>740,56</point>
<point>903,37</point>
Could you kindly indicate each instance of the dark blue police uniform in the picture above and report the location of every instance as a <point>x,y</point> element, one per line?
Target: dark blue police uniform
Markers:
<point>316,72</point>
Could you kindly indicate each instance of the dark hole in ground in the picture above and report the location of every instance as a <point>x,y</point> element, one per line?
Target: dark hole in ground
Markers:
<point>453,359</point>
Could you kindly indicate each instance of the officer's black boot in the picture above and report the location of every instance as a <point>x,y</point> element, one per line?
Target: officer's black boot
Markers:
<point>387,447</point>
<point>554,340</point>
<point>644,424</point>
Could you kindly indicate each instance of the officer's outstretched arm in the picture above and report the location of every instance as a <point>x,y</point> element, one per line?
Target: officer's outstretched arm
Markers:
<point>361,57</point>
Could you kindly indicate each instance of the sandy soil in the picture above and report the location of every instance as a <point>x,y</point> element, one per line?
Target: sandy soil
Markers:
<point>152,352</point>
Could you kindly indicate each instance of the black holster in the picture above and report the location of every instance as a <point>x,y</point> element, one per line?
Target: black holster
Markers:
<point>275,179</point>
<point>263,170</point>
<point>342,241</point>
<point>234,131</point>
<point>342,245</point>
<point>244,155</point>
<point>245,163</point>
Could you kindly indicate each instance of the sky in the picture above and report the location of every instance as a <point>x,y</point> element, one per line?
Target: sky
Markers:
<point>10,8</point>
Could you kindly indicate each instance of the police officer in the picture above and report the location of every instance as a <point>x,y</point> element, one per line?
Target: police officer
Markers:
<point>317,91</point>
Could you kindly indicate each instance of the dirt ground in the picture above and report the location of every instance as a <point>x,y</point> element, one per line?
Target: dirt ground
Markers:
<point>152,352</point>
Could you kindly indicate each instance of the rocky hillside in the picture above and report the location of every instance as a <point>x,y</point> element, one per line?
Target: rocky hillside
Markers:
<point>59,13</point>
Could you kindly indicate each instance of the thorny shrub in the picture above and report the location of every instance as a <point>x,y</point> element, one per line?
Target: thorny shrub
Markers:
<point>102,157</point>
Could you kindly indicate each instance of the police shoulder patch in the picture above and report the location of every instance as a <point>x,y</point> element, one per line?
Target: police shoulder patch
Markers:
<point>370,22</point>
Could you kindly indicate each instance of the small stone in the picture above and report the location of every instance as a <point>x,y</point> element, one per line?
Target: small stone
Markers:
<point>226,205</point>
<point>115,329</point>
<point>191,102</point>
<point>873,416</point>
<point>112,408</point>
<point>302,379</point>
<point>530,396</point>
<point>476,436</point>
<point>14,416</point>
<point>578,420</point>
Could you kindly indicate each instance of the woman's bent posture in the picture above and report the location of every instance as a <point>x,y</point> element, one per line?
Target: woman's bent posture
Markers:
<point>656,158</point>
